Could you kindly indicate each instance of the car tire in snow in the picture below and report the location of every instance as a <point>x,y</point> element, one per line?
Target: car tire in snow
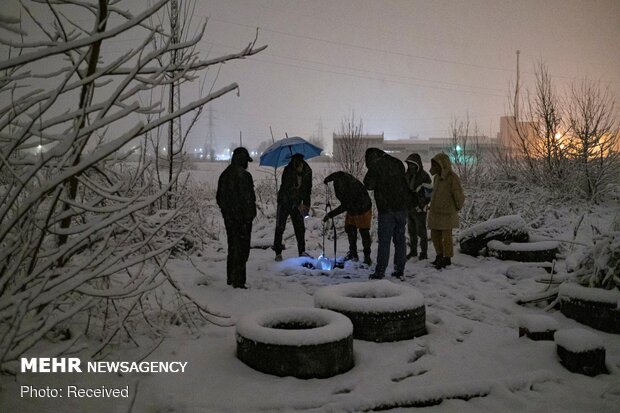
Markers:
<point>541,251</point>
<point>507,228</point>
<point>594,307</point>
<point>380,311</point>
<point>300,342</point>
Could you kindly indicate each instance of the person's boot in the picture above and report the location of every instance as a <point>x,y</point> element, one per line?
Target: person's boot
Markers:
<point>412,254</point>
<point>423,256</point>
<point>399,274</point>
<point>351,256</point>
<point>367,260</point>
<point>438,260</point>
<point>443,263</point>
<point>377,275</point>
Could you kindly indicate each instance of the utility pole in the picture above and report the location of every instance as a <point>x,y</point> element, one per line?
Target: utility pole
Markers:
<point>209,148</point>
<point>516,103</point>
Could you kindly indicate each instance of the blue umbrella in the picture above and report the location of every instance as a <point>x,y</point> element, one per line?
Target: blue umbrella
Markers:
<point>280,153</point>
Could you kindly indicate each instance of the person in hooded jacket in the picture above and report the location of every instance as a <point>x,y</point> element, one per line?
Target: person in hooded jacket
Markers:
<point>237,201</point>
<point>447,200</point>
<point>386,177</point>
<point>355,201</point>
<point>419,182</point>
<point>293,201</point>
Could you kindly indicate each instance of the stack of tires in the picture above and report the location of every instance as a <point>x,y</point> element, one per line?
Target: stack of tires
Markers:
<point>318,342</point>
<point>506,238</point>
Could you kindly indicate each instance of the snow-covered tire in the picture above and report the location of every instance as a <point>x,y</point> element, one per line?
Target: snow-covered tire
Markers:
<point>380,311</point>
<point>524,271</point>
<point>300,342</point>
<point>541,251</point>
<point>594,307</point>
<point>507,228</point>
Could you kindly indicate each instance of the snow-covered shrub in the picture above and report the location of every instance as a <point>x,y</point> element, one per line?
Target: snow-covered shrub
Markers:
<point>85,234</point>
<point>599,265</point>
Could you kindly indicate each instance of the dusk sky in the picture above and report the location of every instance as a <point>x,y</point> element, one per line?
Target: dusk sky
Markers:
<point>405,67</point>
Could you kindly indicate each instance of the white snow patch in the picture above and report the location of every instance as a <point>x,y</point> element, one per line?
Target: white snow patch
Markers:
<point>523,246</point>
<point>319,326</point>
<point>510,222</point>
<point>573,290</point>
<point>536,323</point>
<point>577,340</point>
<point>369,297</point>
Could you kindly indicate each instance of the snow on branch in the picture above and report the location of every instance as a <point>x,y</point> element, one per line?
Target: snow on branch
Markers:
<point>87,226</point>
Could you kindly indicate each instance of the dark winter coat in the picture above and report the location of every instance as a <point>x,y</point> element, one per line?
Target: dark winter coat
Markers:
<point>351,193</point>
<point>447,198</point>
<point>296,188</point>
<point>417,180</point>
<point>235,191</point>
<point>386,177</point>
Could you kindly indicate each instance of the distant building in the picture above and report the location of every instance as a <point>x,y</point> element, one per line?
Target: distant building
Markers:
<point>427,148</point>
<point>341,143</point>
<point>508,138</point>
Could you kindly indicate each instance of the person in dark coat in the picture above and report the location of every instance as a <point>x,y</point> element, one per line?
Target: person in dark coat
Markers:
<point>386,177</point>
<point>355,201</point>
<point>420,185</point>
<point>237,201</point>
<point>293,201</point>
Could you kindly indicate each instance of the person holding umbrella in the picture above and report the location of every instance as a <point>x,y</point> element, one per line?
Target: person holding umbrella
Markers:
<point>293,201</point>
<point>355,201</point>
<point>237,201</point>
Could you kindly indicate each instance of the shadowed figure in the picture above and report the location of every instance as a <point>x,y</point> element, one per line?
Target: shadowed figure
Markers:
<point>236,199</point>
<point>355,201</point>
<point>293,201</point>
<point>386,177</point>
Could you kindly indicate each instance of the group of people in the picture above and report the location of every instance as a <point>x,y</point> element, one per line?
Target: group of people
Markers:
<point>404,198</point>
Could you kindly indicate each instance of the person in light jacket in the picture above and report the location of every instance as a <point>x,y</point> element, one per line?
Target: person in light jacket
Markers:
<point>447,200</point>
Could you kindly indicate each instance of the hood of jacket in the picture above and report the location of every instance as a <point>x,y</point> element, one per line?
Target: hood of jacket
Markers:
<point>444,162</point>
<point>416,159</point>
<point>373,154</point>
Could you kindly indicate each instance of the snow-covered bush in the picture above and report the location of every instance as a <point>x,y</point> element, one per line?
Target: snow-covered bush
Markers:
<point>83,232</point>
<point>599,265</point>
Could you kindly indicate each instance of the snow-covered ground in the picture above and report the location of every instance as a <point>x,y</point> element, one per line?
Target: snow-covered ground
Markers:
<point>472,357</point>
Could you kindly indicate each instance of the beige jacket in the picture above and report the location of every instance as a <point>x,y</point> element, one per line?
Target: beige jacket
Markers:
<point>447,198</point>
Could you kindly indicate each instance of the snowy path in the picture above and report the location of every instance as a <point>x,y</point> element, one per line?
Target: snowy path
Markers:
<point>472,350</point>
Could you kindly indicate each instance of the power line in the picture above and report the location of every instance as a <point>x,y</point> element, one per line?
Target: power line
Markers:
<point>391,52</point>
<point>366,71</point>
<point>254,58</point>
<point>366,48</point>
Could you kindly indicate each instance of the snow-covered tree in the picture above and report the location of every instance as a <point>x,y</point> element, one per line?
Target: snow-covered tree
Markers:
<point>350,147</point>
<point>594,137</point>
<point>80,230</point>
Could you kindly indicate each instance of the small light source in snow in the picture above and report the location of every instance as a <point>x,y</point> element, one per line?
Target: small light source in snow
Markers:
<point>324,263</point>
<point>164,148</point>
<point>39,148</point>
